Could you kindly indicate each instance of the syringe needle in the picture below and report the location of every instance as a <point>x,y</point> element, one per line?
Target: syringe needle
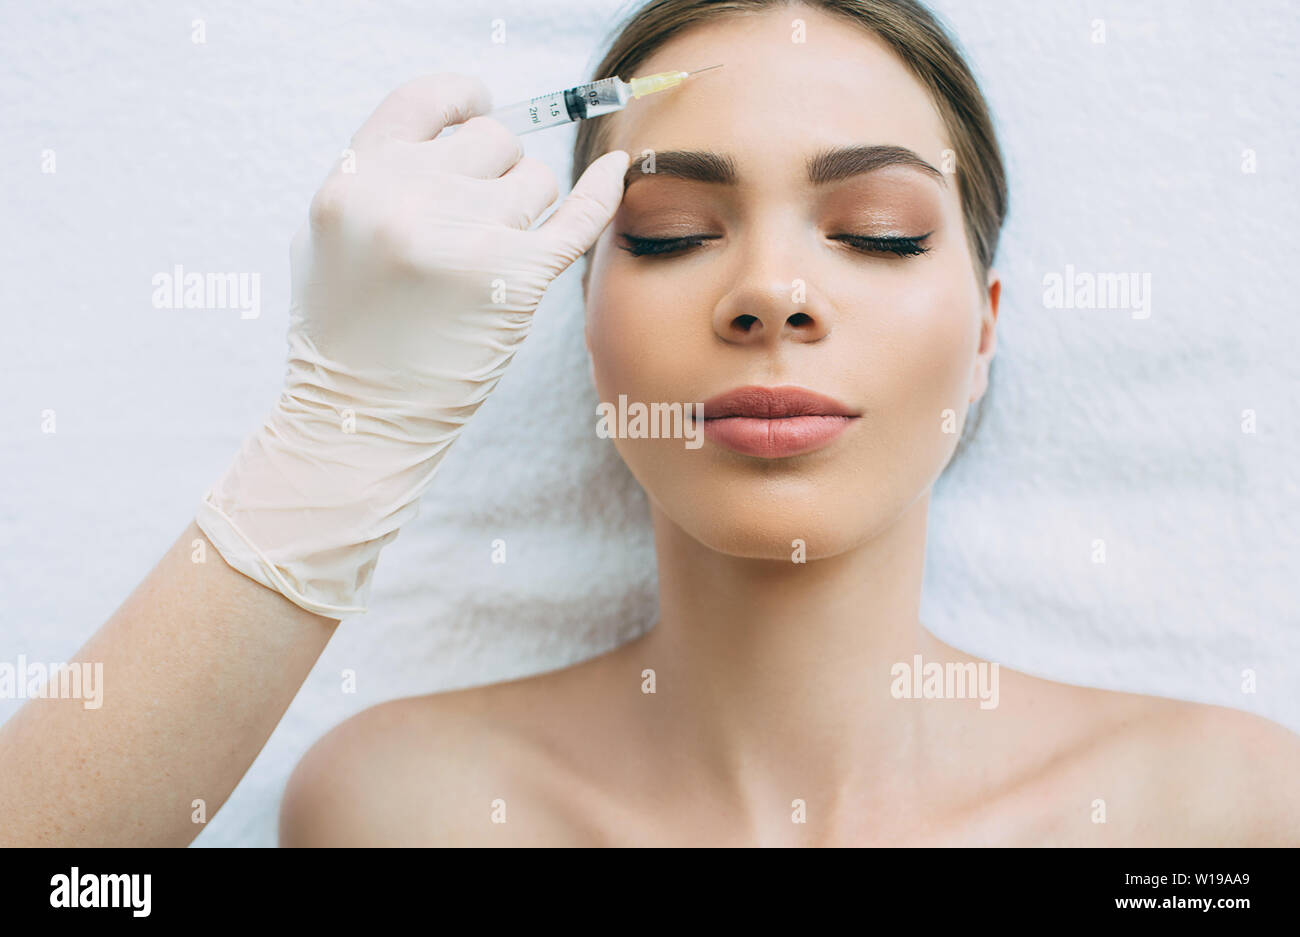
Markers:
<point>705,69</point>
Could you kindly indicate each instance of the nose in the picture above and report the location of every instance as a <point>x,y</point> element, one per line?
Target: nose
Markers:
<point>768,303</point>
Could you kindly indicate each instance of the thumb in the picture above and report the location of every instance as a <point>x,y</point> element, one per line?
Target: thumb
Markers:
<point>583,215</point>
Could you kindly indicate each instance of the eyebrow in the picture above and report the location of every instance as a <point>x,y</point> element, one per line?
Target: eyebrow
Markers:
<point>826,166</point>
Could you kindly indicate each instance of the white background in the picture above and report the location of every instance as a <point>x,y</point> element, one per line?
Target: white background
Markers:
<point>1123,157</point>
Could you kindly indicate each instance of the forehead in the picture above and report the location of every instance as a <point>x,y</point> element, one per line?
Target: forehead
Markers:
<point>780,95</point>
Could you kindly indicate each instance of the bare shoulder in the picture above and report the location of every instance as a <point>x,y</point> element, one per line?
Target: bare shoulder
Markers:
<point>461,768</point>
<point>1236,772</point>
<point>1157,771</point>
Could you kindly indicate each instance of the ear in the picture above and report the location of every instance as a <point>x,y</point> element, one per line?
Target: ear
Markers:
<point>988,338</point>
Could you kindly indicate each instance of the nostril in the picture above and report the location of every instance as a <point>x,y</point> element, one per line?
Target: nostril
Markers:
<point>744,322</point>
<point>800,319</point>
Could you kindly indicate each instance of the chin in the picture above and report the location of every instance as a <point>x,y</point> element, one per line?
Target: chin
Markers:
<point>763,515</point>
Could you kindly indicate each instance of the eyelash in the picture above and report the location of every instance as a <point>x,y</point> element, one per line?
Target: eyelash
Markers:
<point>899,246</point>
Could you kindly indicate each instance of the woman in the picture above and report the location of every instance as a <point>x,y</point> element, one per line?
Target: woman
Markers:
<point>772,719</point>
<point>820,215</point>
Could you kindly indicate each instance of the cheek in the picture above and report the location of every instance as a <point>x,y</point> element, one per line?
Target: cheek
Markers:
<point>607,300</point>
<point>612,322</point>
<point>926,332</point>
<point>913,336</point>
<point>646,334</point>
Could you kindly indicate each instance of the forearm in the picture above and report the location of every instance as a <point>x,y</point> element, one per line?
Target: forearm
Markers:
<point>199,665</point>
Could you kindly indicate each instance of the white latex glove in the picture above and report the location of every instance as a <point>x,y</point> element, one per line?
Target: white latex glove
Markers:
<point>414,281</point>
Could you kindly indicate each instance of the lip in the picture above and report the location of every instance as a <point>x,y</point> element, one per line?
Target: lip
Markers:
<point>775,422</point>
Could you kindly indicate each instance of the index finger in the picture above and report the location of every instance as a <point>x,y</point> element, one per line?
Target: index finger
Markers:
<point>418,110</point>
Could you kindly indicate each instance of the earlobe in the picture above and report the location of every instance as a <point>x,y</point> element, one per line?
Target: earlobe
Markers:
<point>988,336</point>
<point>989,321</point>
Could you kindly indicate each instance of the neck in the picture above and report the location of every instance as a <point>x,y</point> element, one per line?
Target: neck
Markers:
<point>779,672</point>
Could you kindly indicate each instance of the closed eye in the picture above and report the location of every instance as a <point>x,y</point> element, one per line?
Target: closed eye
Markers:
<point>640,247</point>
<point>898,246</point>
<point>901,246</point>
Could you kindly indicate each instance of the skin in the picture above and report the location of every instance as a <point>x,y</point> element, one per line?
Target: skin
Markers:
<point>772,676</point>
<point>200,663</point>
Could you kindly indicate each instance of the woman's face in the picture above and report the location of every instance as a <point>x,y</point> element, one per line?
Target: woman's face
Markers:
<point>776,295</point>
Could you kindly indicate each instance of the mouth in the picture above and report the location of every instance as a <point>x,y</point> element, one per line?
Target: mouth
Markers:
<point>775,422</point>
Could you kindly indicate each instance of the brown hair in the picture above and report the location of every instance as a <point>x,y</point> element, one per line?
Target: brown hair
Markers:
<point>914,35</point>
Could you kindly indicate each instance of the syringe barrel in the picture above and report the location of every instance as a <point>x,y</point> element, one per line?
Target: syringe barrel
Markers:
<point>561,107</point>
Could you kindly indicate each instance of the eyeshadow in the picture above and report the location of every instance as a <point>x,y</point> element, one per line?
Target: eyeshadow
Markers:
<point>886,202</point>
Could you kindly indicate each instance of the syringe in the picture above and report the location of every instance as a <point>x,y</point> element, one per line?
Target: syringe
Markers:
<point>583,101</point>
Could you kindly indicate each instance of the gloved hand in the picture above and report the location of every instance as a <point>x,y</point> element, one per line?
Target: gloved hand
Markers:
<point>413,283</point>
